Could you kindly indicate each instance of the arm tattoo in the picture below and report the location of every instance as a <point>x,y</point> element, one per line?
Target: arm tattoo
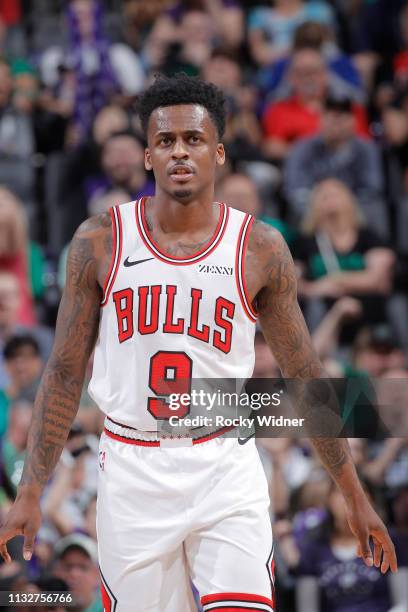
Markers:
<point>286,333</point>
<point>77,327</point>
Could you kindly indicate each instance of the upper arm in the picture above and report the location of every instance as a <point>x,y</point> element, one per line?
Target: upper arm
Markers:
<point>78,315</point>
<point>280,316</point>
<point>380,259</point>
<point>380,262</point>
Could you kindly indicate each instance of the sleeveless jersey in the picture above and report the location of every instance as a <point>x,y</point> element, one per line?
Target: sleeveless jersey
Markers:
<point>166,320</point>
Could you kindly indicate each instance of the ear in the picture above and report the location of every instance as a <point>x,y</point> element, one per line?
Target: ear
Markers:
<point>220,155</point>
<point>147,160</point>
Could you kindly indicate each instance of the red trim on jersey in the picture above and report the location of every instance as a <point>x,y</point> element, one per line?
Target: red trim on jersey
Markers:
<point>242,245</point>
<point>156,443</point>
<point>116,254</point>
<point>238,608</point>
<point>180,261</point>
<point>231,598</point>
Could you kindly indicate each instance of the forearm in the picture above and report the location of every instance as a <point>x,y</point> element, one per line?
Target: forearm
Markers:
<point>325,337</point>
<point>315,400</point>
<point>360,282</point>
<point>54,411</point>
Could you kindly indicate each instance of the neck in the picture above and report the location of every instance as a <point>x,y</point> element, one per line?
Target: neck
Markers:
<point>173,216</point>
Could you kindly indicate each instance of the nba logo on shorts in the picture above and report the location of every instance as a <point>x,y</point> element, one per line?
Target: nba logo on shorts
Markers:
<point>102,457</point>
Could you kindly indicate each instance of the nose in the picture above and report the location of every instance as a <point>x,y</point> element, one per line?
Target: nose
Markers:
<point>179,151</point>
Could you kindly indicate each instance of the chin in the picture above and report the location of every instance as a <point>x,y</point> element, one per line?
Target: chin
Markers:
<point>183,194</point>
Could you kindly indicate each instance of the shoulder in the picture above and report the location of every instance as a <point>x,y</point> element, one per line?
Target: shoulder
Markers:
<point>268,248</point>
<point>92,244</point>
<point>264,237</point>
<point>94,226</point>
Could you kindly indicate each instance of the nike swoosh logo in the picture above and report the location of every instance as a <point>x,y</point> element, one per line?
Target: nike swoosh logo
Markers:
<point>128,263</point>
<point>242,441</point>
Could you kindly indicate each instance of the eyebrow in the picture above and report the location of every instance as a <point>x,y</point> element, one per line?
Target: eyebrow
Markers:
<point>187,132</point>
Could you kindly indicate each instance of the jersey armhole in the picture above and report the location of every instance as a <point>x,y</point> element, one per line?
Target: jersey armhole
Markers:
<point>242,246</point>
<point>116,253</point>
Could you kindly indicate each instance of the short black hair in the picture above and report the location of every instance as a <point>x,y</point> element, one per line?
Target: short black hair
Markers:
<point>183,89</point>
<point>16,343</point>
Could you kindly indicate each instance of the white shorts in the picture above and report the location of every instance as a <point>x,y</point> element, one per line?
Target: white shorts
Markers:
<point>167,516</point>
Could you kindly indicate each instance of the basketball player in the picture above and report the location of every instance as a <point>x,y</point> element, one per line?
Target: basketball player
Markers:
<point>171,509</point>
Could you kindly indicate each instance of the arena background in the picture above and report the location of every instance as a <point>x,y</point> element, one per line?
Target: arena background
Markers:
<point>317,146</point>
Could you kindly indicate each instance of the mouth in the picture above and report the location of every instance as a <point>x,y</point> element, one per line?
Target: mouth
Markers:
<point>181,174</point>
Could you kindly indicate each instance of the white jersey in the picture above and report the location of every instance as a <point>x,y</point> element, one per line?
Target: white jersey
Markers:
<point>166,320</point>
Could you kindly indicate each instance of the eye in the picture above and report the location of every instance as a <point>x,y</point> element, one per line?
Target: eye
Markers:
<point>194,139</point>
<point>165,140</point>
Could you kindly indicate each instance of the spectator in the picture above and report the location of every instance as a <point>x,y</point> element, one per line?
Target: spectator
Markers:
<point>376,351</point>
<point>140,18</point>
<point>71,489</point>
<point>110,120</point>
<point>122,161</point>
<point>375,34</point>
<point>243,134</point>
<point>13,447</point>
<point>265,363</point>
<point>271,30</point>
<point>337,152</point>
<point>343,75</point>
<point>18,256</point>
<point>48,584</point>
<point>240,191</point>
<point>326,336</point>
<point>340,256</point>
<point>226,15</point>
<point>88,60</point>
<point>76,563</point>
<point>9,324</point>
<point>16,142</point>
<point>344,581</point>
<point>196,40</point>
<point>24,367</point>
<point>299,116</point>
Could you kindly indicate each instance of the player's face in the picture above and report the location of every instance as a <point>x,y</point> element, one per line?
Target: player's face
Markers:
<point>183,151</point>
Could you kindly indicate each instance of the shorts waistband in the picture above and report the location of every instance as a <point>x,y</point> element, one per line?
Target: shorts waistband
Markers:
<point>130,435</point>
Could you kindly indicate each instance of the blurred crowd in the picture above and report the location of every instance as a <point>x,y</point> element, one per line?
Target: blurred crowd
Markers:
<point>317,146</point>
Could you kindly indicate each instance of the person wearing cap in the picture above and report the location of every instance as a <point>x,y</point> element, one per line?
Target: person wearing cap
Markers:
<point>76,562</point>
<point>336,151</point>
